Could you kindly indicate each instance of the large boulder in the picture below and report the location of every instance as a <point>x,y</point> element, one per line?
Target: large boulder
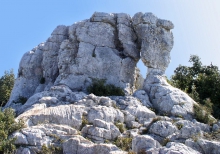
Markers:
<point>155,39</point>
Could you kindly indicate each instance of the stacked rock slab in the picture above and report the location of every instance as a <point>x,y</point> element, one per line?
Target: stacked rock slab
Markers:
<point>103,47</point>
<point>156,41</point>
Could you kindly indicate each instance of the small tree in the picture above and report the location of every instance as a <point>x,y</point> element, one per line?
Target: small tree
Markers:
<point>6,85</point>
<point>201,81</point>
<point>8,125</point>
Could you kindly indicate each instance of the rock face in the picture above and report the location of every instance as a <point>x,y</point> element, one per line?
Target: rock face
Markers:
<point>153,117</point>
<point>155,39</point>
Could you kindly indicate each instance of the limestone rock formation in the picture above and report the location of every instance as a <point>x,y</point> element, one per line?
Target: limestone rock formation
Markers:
<point>153,116</point>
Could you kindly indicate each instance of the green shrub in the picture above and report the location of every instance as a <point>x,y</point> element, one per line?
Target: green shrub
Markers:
<point>8,125</point>
<point>84,122</point>
<point>6,85</point>
<point>120,126</point>
<point>179,126</point>
<point>165,141</point>
<point>202,114</point>
<point>100,88</point>
<point>124,143</point>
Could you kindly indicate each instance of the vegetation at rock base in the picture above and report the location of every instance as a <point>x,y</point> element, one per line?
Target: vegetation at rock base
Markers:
<point>215,135</point>
<point>100,88</point>
<point>201,82</point>
<point>6,85</point>
<point>8,125</point>
<point>51,150</point>
<point>125,143</point>
<point>120,126</point>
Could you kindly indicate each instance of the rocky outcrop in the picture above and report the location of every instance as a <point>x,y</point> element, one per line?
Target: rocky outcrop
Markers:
<point>153,116</point>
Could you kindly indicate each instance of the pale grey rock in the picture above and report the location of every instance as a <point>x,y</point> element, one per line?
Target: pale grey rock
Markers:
<point>178,148</point>
<point>78,145</point>
<point>167,99</point>
<point>57,95</point>
<point>188,129</point>
<point>165,24</point>
<point>163,128</point>
<point>107,148</point>
<point>215,127</point>
<point>20,138</point>
<point>144,142</point>
<point>63,114</point>
<point>127,37</point>
<point>45,134</point>
<point>108,114</point>
<point>155,40</point>
<point>104,17</point>
<point>103,47</point>
<point>194,145</point>
<point>142,113</point>
<point>51,49</point>
<point>29,75</point>
<point>22,150</point>
<point>133,132</point>
<point>204,146</point>
<point>72,145</point>
<point>143,97</point>
<point>48,100</point>
<point>123,102</point>
<point>101,131</point>
<point>152,151</point>
<point>209,146</point>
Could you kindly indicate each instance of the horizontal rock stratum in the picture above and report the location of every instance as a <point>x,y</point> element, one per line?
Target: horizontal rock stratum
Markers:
<point>152,117</point>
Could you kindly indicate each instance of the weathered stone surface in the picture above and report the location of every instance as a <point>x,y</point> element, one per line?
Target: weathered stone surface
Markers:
<point>101,131</point>
<point>108,114</point>
<point>78,145</point>
<point>143,97</point>
<point>43,134</point>
<point>178,148</point>
<point>64,114</point>
<point>103,47</point>
<point>142,113</point>
<point>204,146</point>
<point>167,99</point>
<point>155,40</point>
<point>189,129</point>
<point>163,128</point>
<point>144,142</point>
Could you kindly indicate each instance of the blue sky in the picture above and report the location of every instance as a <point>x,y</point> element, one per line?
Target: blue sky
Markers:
<point>25,24</point>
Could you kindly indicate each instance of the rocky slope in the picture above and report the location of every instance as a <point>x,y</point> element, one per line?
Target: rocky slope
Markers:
<point>153,116</point>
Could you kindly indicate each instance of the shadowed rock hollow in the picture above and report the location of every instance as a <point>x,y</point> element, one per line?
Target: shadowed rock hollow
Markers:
<point>54,77</point>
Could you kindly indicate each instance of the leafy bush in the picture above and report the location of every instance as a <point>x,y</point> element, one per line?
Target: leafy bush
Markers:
<point>202,114</point>
<point>200,82</point>
<point>100,88</point>
<point>84,122</point>
<point>120,126</point>
<point>8,125</point>
<point>6,85</point>
<point>124,143</point>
